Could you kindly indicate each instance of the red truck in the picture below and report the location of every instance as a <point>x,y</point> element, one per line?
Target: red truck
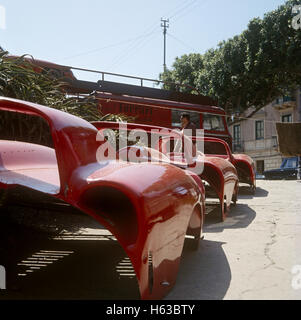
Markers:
<point>146,105</point>
<point>159,107</point>
<point>167,113</point>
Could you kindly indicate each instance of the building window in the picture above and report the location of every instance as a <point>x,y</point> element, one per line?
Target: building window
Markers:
<point>237,138</point>
<point>275,141</point>
<point>259,130</point>
<point>260,166</point>
<point>237,134</point>
<point>287,118</point>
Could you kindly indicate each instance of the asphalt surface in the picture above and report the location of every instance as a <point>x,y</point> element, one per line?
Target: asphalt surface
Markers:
<point>249,256</point>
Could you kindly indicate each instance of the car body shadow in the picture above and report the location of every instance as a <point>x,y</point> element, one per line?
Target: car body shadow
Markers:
<point>83,270</point>
<point>245,193</point>
<point>204,274</point>
<point>240,216</point>
<point>43,265</point>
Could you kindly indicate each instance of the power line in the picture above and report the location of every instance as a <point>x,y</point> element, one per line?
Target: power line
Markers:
<point>182,42</point>
<point>154,27</point>
<point>139,41</point>
<point>182,9</point>
<point>134,48</point>
<point>188,8</point>
<point>115,44</point>
<point>165,26</point>
<point>106,47</point>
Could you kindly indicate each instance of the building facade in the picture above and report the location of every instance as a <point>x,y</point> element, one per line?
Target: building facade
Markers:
<point>257,136</point>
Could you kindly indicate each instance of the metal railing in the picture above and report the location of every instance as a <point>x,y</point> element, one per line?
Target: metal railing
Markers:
<point>104,73</point>
<point>283,101</point>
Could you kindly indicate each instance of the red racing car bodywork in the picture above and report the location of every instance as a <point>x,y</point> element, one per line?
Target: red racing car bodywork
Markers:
<point>222,178</point>
<point>219,173</point>
<point>148,207</point>
<point>214,147</point>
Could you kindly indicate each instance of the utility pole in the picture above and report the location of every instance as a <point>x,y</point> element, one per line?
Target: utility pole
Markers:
<point>164,25</point>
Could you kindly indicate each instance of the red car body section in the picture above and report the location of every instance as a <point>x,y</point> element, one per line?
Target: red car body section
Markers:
<point>222,177</point>
<point>146,106</point>
<point>245,168</point>
<point>219,173</point>
<point>244,164</point>
<point>149,208</point>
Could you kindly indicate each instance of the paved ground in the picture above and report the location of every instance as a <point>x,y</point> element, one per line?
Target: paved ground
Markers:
<point>249,256</point>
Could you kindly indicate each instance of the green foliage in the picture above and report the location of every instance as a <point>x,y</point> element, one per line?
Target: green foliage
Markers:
<point>19,80</point>
<point>251,69</point>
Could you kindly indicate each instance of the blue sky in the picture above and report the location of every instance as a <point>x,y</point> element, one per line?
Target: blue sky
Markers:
<point>123,36</point>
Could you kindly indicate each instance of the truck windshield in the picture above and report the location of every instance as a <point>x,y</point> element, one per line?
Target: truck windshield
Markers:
<point>176,116</point>
<point>213,122</point>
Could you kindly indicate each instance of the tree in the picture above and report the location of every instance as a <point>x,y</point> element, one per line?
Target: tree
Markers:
<point>19,80</point>
<point>249,70</point>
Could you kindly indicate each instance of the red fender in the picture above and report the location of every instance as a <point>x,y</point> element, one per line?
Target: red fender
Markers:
<point>147,207</point>
<point>222,177</point>
<point>218,171</point>
<point>245,168</point>
<point>242,162</point>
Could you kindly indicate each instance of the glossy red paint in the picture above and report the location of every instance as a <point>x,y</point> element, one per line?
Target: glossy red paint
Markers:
<point>155,112</point>
<point>149,208</point>
<point>219,173</point>
<point>222,177</point>
<point>144,110</point>
<point>242,162</point>
<point>246,169</point>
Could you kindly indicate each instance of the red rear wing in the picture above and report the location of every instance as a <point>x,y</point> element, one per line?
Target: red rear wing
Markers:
<point>148,207</point>
<point>68,133</point>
